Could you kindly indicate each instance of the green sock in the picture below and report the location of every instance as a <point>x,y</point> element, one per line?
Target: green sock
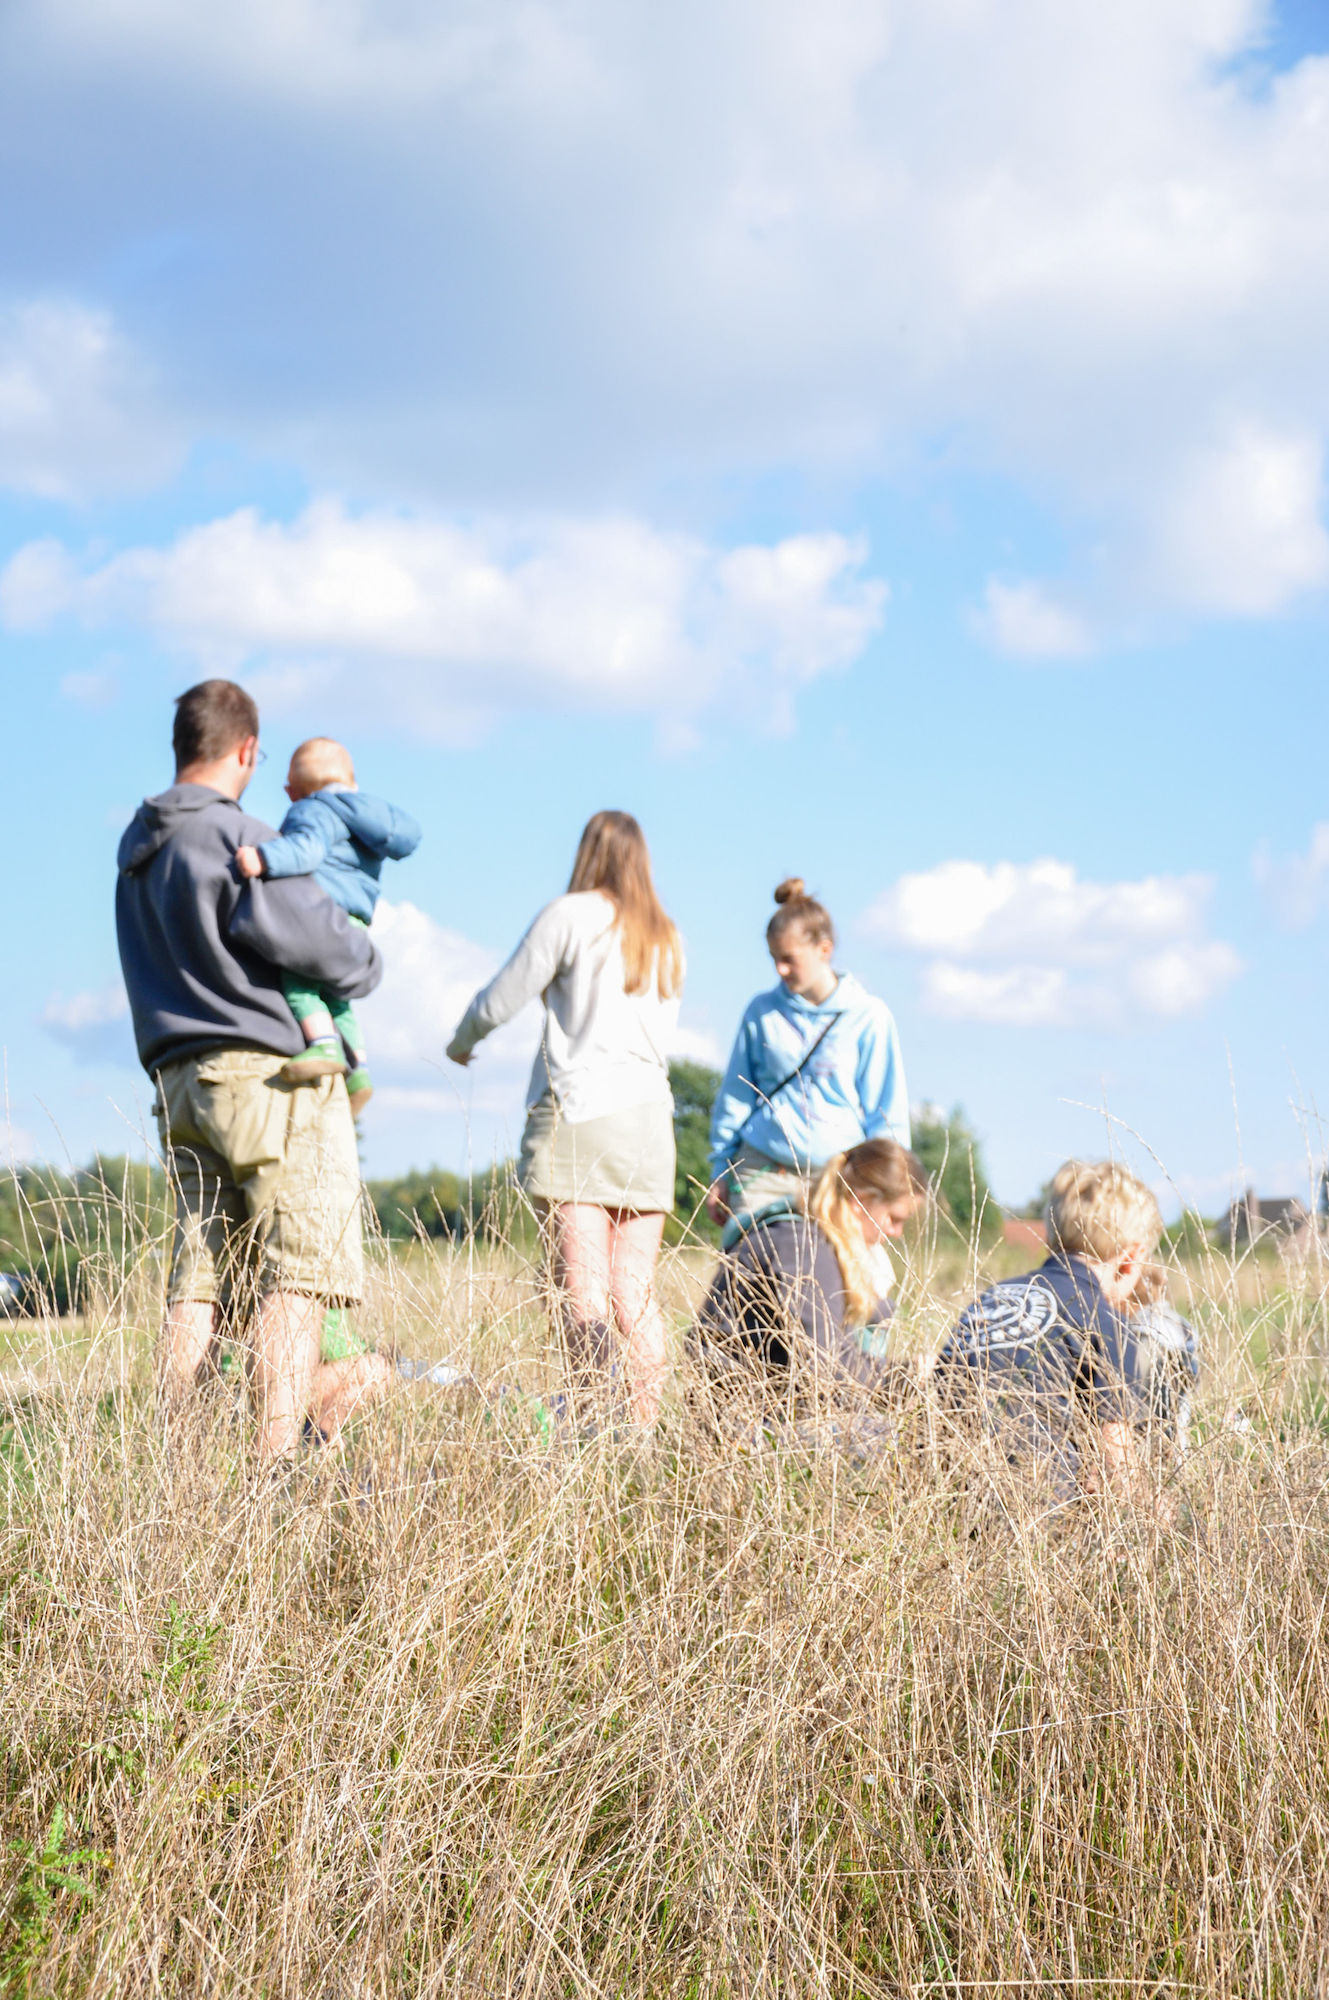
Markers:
<point>339,1340</point>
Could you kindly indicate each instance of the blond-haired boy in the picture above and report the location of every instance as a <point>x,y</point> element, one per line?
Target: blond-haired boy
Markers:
<point>1049,1362</point>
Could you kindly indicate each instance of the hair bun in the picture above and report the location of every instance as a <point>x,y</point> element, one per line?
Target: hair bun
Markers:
<point>791,890</point>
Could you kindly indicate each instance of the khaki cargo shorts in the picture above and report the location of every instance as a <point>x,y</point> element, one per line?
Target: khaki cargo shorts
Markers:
<point>266,1181</point>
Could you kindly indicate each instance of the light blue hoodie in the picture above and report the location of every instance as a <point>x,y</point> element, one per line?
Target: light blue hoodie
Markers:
<point>342,839</point>
<point>852,1089</point>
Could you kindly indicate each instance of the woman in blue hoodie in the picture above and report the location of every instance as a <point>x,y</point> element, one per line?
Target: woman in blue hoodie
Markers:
<point>815,1069</point>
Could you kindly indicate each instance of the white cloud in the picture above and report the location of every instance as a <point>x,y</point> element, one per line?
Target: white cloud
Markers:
<point>93,1024</point>
<point>349,55</point>
<point>1021,620</point>
<point>527,246</point>
<point>89,690</point>
<point>429,975</point>
<point>1034,945</point>
<point>1183,979</point>
<point>1234,527</point>
<point>37,585</point>
<point>1241,528</point>
<point>698,1045</point>
<point>970,909</point>
<point>78,412</point>
<point>1022,996</point>
<point>445,623</point>
<point>443,1101</point>
<point>17,1145</point>
<point>1297,885</point>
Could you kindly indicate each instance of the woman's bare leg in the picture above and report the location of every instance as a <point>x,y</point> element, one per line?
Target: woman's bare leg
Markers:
<point>634,1250</point>
<point>579,1247</point>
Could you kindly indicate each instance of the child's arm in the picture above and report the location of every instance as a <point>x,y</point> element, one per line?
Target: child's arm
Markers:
<point>1115,1466</point>
<point>250,862</point>
<point>308,834</point>
<point>1118,1468</point>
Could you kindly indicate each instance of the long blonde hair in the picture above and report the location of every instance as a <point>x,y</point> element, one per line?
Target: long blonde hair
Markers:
<point>881,1170</point>
<point>612,857</point>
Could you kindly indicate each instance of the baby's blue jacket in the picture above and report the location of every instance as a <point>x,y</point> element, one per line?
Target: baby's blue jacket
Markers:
<point>342,839</point>
<point>853,1088</point>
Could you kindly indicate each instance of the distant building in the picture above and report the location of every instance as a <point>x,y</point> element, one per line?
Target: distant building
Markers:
<point>1253,1216</point>
<point>1023,1234</point>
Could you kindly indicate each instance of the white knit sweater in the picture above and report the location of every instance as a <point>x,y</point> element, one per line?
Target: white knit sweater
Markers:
<point>602,1049</point>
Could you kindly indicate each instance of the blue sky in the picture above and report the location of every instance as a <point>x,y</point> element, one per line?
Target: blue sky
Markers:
<point>878,442</point>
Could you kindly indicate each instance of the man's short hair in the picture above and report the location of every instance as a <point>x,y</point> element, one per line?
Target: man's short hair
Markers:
<point>1097,1209</point>
<point>211,719</point>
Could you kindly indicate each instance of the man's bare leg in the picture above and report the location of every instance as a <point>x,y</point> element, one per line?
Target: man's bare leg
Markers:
<point>286,1340</point>
<point>188,1332</point>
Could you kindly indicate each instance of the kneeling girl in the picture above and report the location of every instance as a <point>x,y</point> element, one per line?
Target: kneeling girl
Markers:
<point>799,1307</point>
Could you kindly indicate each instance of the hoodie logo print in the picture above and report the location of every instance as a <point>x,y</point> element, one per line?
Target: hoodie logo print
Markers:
<point>1014,1315</point>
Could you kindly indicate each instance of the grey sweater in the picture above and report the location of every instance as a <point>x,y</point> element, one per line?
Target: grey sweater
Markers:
<point>203,951</point>
<point>777,1308</point>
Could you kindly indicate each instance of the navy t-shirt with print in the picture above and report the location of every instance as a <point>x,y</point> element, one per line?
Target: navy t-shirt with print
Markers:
<point>1041,1356</point>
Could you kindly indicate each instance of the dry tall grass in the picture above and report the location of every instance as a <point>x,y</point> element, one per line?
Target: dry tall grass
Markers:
<point>460,1713</point>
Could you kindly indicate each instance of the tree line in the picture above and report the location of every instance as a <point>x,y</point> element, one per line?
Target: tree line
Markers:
<point>58,1228</point>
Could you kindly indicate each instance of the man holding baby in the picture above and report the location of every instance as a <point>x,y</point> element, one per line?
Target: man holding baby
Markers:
<point>264,1169</point>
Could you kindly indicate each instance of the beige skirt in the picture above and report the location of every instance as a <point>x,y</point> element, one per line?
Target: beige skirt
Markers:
<point>624,1160</point>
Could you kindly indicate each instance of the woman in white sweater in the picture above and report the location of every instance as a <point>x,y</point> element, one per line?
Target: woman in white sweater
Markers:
<point>597,1155</point>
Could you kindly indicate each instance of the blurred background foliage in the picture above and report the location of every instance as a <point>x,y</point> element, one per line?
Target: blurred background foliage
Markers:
<point>57,1225</point>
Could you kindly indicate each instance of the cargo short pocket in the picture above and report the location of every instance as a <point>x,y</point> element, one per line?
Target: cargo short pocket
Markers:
<point>240,1115</point>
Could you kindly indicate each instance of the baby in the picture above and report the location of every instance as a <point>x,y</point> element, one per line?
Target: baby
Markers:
<point>341,837</point>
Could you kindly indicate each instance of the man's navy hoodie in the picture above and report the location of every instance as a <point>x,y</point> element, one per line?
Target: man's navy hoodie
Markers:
<point>203,951</point>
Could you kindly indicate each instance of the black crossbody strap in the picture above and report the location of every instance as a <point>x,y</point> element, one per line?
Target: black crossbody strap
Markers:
<point>794,1074</point>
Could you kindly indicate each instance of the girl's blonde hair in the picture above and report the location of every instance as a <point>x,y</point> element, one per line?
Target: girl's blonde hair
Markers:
<point>880,1170</point>
<point>612,857</point>
<point>795,906</point>
<point>1098,1209</point>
